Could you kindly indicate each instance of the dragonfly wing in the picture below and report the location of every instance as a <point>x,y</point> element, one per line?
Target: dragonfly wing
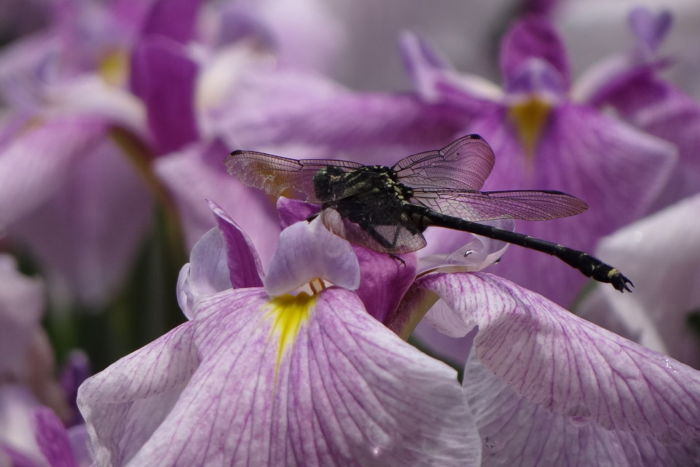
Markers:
<point>393,238</point>
<point>521,204</point>
<point>281,176</point>
<point>462,165</point>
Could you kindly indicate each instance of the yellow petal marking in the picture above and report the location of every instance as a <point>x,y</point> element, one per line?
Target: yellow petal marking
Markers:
<point>529,117</point>
<point>289,313</point>
<point>114,67</point>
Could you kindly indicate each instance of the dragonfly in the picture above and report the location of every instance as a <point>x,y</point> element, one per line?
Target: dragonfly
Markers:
<point>387,209</point>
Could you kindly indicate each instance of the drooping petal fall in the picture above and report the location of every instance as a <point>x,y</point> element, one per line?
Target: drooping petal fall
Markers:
<point>343,390</point>
<point>547,386</point>
<point>662,253</point>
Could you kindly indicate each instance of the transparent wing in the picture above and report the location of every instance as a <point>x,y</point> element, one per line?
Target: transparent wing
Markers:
<point>386,238</point>
<point>463,164</point>
<point>485,205</point>
<point>281,176</point>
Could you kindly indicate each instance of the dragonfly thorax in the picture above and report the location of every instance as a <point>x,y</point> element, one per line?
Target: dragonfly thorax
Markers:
<point>334,183</point>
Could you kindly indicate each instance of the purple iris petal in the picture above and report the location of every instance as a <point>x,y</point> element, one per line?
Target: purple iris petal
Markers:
<point>516,430</point>
<point>346,390</point>
<point>548,384</point>
<point>617,170</point>
<point>17,438</point>
<point>649,28</point>
<point>28,177</point>
<point>21,306</point>
<point>307,33</point>
<point>293,210</point>
<point>52,438</point>
<point>307,250</point>
<point>75,370</point>
<point>304,115</point>
<point>239,23</point>
<point>537,76</point>
<point>244,265</point>
<point>99,191</point>
<point>423,64</point>
<point>20,70</point>
<point>197,174</point>
<point>163,76</point>
<point>174,19</point>
<point>79,441</point>
<point>378,270</point>
<point>662,110</point>
<point>633,87</point>
<point>435,81</point>
<point>206,274</point>
<point>13,457</point>
<point>223,258</point>
<point>530,38</point>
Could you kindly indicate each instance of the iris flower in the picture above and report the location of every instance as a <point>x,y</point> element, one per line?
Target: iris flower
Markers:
<point>273,378</point>
<point>93,99</point>
<point>65,181</point>
<point>304,365</point>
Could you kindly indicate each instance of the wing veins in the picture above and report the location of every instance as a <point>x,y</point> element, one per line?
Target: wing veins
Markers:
<point>488,205</point>
<point>281,176</point>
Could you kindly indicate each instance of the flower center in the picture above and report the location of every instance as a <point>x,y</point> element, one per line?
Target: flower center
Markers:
<point>114,66</point>
<point>289,313</point>
<point>529,117</point>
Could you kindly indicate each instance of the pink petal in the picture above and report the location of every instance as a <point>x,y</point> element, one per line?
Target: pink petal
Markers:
<point>423,64</point>
<point>661,110</point>
<point>222,259</point>
<point>346,391</point>
<point>532,37</point>
<point>52,438</point>
<point>304,115</point>
<point>174,19</point>
<point>516,431</point>
<point>650,28</point>
<point>21,307</point>
<point>244,265</point>
<point>163,76</point>
<point>565,368</point>
<point>89,232</point>
<point>16,406</point>
<point>196,175</point>
<point>293,210</point>
<point>306,251</point>
<point>617,170</point>
<point>36,164</point>
<point>206,274</point>
<point>662,253</point>
<point>79,440</point>
<point>378,270</point>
